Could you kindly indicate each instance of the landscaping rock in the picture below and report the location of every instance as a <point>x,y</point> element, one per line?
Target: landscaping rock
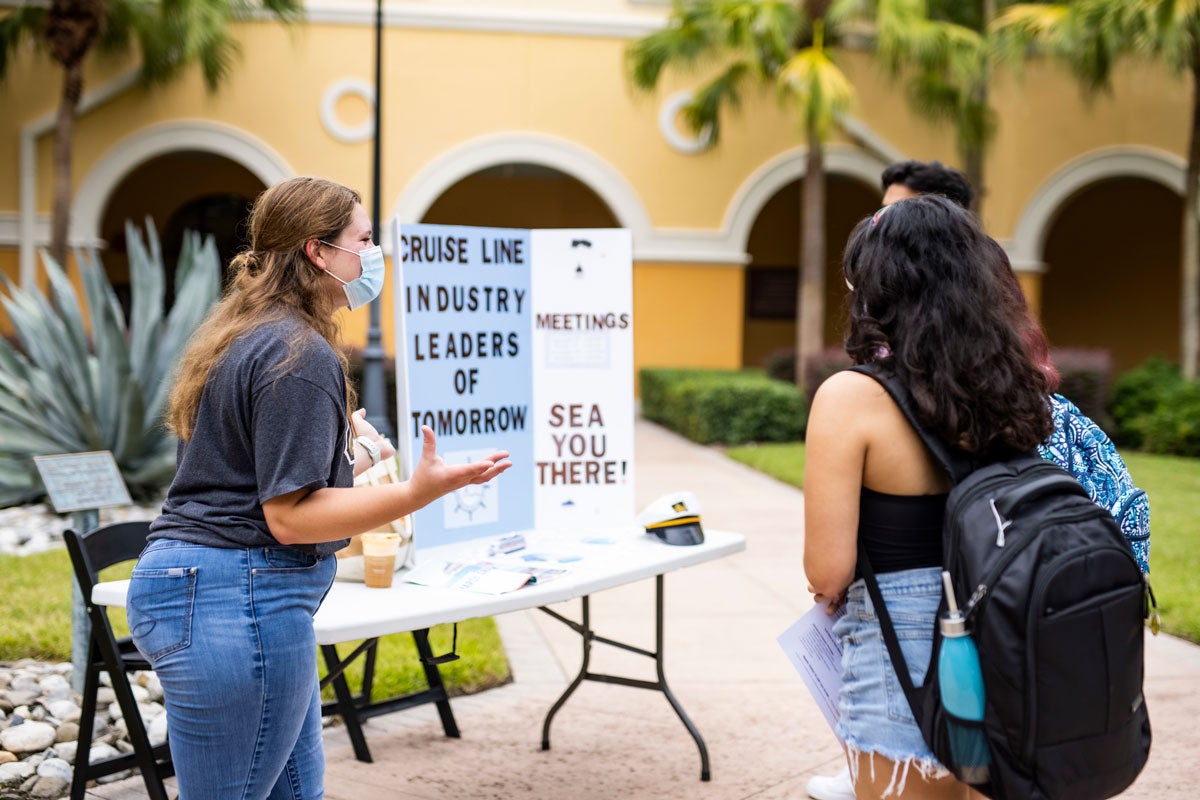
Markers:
<point>27,738</point>
<point>67,732</point>
<point>55,768</point>
<point>28,765</point>
<point>15,772</point>
<point>64,710</point>
<point>49,786</point>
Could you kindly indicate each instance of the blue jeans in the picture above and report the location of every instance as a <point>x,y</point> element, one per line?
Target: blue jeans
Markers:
<point>229,634</point>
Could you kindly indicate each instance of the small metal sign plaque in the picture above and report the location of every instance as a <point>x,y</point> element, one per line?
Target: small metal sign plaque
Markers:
<point>79,481</point>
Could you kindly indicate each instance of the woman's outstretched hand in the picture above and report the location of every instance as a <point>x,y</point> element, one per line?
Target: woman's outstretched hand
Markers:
<point>433,477</point>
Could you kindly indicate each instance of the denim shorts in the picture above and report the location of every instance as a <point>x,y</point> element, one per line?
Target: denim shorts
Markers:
<point>875,715</point>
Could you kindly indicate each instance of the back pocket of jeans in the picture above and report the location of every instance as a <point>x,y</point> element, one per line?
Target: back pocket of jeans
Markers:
<point>160,610</point>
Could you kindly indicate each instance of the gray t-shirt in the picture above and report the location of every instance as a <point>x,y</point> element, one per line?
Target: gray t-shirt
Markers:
<point>260,433</point>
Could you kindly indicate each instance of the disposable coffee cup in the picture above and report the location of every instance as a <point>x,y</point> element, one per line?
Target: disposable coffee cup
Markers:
<point>379,558</point>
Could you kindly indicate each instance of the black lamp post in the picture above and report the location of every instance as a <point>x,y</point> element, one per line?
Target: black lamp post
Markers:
<point>374,385</point>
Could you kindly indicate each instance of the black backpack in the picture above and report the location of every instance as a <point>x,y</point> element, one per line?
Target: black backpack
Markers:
<point>1055,602</point>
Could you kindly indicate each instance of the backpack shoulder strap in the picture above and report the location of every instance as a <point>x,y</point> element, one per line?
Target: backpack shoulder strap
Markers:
<point>890,639</point>
<point>956,464</point>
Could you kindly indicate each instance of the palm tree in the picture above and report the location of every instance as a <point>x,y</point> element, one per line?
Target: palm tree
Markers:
<point>942,47</point>
<point>948,46</point>
<point>1089,36</point>
<point>783,44</point>
<point>169,35</point>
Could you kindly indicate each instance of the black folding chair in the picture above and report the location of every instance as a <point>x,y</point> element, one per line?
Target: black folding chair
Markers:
<point>91,552</point>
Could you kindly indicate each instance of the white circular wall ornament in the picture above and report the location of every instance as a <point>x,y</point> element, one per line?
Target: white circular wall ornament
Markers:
<point>679,141</point>
<point>329,118</point>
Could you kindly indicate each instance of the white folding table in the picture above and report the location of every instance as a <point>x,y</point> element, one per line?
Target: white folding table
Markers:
<point>607,558</point>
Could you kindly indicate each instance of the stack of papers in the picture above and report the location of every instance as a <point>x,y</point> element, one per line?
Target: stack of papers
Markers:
<point>486,577</point>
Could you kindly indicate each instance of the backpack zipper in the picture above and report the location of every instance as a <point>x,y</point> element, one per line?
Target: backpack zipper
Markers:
<point>984,488</point>
<point>973,602</point>
<point>1001,523</point>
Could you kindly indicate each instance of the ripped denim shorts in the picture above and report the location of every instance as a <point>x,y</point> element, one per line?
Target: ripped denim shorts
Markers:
<point>875,716</point>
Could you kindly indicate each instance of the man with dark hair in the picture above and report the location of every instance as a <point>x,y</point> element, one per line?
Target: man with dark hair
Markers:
<point>901,180</point>
<point>911,178</point>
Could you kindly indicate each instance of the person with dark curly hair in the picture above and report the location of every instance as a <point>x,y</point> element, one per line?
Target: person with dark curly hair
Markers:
<point>906,179</point>
<point>927,305</point>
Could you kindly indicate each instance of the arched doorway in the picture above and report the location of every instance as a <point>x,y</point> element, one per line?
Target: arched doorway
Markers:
<point>521,195</point>
<point>1112,258</point>
<point>772,274</point>
<point>178,191</point>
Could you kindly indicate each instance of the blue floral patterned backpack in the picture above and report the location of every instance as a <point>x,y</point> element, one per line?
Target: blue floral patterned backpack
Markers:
<point>1079,446</point>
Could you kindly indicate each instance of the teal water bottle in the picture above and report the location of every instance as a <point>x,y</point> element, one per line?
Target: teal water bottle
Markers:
<point>960,681</point>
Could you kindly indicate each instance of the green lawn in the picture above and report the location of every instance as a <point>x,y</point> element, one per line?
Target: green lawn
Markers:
<point>35,606</point>
<point>482,664</point>
<point>1173,485</point>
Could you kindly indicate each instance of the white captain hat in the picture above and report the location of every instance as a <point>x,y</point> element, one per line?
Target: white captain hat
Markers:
<point>674,518</point>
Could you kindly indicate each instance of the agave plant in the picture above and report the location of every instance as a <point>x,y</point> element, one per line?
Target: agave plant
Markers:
<point>79,383</point>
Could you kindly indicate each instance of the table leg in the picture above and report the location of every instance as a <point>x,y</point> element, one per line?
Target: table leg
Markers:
<point>345,701</point>
<point>705,772</point>
<point>586,633</point>
<point>368,680</point>
<point>355,709</point>
<point>437,689</point>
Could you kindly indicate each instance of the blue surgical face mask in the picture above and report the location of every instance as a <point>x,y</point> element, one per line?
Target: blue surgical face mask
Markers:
<point>365,287</point>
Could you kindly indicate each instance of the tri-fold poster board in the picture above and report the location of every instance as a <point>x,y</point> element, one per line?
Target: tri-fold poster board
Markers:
<point>517,340</point>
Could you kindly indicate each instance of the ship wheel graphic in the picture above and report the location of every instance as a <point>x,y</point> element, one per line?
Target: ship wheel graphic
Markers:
<point>470,499</point>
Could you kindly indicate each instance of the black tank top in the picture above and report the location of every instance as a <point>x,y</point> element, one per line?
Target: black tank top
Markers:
<point>901,531</point>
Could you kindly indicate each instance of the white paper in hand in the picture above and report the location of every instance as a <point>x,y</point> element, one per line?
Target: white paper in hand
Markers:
<point>817,655</point>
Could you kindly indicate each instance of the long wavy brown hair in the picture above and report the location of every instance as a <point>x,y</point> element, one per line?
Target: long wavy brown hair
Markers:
<point>929,304</point>
<point>273,279</point>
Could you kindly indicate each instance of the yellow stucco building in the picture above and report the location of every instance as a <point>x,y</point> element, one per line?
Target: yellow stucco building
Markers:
<point>519,113</point>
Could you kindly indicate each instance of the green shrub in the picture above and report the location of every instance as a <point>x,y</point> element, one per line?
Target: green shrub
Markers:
<point>1140,393</point>
<point>1086,378</point>
<point>78,384</point>
<point>1157,410</point>
<point>1174,427</point>
<point>781,364</point>
<point>657,383</point>
<point>722,406</point>
<point>819,366</point>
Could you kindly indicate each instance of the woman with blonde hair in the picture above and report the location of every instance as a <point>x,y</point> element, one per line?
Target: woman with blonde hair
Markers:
<point>222,598</point>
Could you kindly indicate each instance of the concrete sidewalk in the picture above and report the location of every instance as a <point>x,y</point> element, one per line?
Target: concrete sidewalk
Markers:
<point>765,735</point>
